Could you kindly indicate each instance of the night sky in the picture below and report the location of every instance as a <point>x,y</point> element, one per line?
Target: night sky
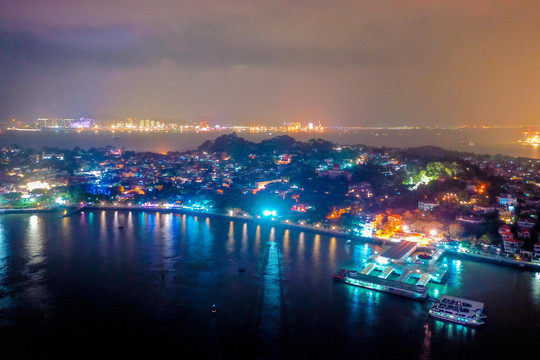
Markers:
<point>349,63</point>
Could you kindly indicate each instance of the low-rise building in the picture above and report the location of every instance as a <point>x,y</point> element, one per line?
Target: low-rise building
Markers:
<point>484,209</point>
<point>524,233</point>
<point>427,206</point>
<point>470,219</point>
<point>507,199</point>
<point>512,245</point>
<point>526,223</point>
<point>336,172</point>
<point>537,250</point>
<point>48,156</point>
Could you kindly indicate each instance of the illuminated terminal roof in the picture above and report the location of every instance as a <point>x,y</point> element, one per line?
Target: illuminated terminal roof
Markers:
<point>400,251</point>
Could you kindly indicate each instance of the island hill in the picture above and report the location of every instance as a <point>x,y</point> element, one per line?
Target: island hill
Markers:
<point>418,194</point>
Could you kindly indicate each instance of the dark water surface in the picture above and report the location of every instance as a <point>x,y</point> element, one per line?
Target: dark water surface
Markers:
<point>480,141</point>
<point>81,287</point>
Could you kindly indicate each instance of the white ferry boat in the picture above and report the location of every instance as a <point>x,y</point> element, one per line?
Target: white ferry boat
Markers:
<point>461,311</point>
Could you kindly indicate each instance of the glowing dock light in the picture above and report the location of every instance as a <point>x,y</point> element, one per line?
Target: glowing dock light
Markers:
<point>269,212</point>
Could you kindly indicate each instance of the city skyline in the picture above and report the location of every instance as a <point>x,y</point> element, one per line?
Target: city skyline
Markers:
<point>344,64</point>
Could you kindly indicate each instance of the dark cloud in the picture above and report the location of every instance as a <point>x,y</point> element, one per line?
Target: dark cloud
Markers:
<point>61,50</point>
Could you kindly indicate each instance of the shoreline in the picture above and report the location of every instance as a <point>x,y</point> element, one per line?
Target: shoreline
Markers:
<point>251,219</point>
<point>28,210</point>
<point>72,210</point>
<point>494,260</point>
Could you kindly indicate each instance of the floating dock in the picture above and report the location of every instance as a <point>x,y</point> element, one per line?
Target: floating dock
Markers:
<point>392,272</point>
<point>351,277</point>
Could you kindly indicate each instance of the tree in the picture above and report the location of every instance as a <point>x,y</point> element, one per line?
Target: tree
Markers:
<point>486,239</point>
<point>456,230</point>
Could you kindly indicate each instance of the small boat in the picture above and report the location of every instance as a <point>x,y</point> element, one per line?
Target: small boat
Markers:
<point>214,310</point>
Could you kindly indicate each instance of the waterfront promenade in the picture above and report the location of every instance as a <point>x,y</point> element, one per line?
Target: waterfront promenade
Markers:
<point>493,259</point>
<point>274,222</point>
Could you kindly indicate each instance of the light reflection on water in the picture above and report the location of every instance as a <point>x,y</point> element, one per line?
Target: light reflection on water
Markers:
<point>371,307</point>
<point>355,305</point>
<point>36,294</point>
<point>286,243</point>
<point>244,239</point>
<point>453,332</point>
<point>201,260</point>
<point>301,249</point>
<point>166,234</point>
<point>257,246</point>
<point>230,237</point>
<point>316,250</point>
<point>35,239</point>
<point>5,300</point>
<point>455,273</point>
<point>535,286</point>
<point>271,305</point>
<point>361,252</point>
<point>332,251</point>
<point>364,306</point>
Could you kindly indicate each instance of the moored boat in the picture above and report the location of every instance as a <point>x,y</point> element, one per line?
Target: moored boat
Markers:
<point>458,310</point>
<point>352,277</point>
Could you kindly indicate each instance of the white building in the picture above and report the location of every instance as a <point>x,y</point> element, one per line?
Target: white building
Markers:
<point>507,200</point>
<point>427,206</point>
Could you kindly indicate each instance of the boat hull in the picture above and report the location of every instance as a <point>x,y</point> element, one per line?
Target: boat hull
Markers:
<point>387,289</point>
<point>379,284</point>
<point>456,319</point>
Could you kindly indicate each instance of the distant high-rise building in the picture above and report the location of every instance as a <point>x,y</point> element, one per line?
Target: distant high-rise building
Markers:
<point>82,123</point>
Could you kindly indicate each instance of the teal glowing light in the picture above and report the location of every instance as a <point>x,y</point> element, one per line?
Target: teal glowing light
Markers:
<point>269,212</point>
